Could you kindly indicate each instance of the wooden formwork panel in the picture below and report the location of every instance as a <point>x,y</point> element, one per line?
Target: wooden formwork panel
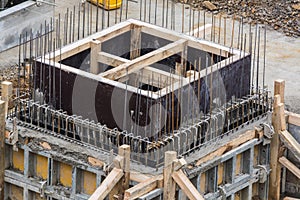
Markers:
<point>236,174</point>
<point>16,192</point>
<point>18,160</point>
<point>89,182</point>
<point>42,167</point>
<point>65,175</point>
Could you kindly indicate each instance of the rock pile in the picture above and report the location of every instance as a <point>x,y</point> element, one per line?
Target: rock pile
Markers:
<point>282,15</point>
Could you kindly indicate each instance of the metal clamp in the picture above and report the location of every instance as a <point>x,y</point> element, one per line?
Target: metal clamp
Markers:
<point>222,192</point>
<point>263,173</point>
<point>268,130</point>
<point>43,187</point>
<point>268,133</point>
<point>14,135</point>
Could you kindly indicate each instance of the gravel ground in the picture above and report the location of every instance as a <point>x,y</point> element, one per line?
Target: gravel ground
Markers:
<point>281,15</point>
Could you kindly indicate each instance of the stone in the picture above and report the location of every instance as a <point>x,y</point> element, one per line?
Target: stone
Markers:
<point>45,145</point>
<point>95,162</point>
<point>296,6</point>
<point>210,6</point>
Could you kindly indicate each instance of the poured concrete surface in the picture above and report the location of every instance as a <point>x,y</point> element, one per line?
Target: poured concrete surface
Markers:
<point>21,20</point>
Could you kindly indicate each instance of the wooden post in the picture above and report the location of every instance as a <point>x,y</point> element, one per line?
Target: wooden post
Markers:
<point>278,121</point>
<point>169,183</point>
<point>6,92</point>
<point>123,162</point>
<point>2,147</point>
<point>279,86</point>
<point>135,42</point>
<point>95,49</point>
<point>124,151</point>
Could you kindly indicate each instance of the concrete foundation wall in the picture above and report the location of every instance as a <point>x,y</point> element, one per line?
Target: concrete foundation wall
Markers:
<point>22,19</point>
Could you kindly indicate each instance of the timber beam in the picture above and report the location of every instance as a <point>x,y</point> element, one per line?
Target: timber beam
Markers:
<point>108,184</point>
<point>290,142</point>
<point>186,185</point>
<point>145,60</point>
<point>290,166</point>
<point>143,187</point>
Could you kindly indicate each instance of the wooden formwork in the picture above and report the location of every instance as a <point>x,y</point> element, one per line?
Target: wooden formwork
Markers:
<point>40,165</point>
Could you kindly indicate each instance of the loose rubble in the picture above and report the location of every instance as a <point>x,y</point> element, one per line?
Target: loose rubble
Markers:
<point>281,15</point>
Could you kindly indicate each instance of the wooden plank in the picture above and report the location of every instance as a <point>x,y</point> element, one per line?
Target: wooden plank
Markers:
<point>187,187</point>
<point>114,31</point>
<point>279,86</point>
<point>135,42</point>
<point>290,166</point>
<point>290,142</point>
<point>278,122</point>
<point>95,49</point>
<point>124,151</point>
<point>290,198</point>
<point>84,44</point>
<point>110,59</point>
<point>6,93</point>
<point>200,30</point>
<point>275,174</point>
<point>107,185</point>
<point>122,161</point>
<point>70,50</point>
<point>2,145</point>
<point>192,42</point>
<point>146,73</point>
<point>138,177</point>
<point>247,136</point>
<point>145,60</point>
<point>169,183</point>
<point>293,118</point>
<point>142,188</point>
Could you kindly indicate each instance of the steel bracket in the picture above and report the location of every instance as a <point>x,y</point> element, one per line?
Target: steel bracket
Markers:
<point>268,131</point>
<point>14,135</point>
<point>222,192</point>
<point>42,189</point>
<point>263,173</point>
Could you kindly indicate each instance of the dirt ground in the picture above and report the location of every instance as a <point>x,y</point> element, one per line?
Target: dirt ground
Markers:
<point>281,15</point>
<point>282,51</point>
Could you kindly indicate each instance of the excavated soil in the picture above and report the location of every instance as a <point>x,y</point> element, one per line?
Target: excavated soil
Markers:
<point>281,15</point>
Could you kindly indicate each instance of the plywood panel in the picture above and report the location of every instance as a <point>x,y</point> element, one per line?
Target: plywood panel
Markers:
<point>42,167</point>
<point>202,183</point>
<point>256,155</point>
<point>18,160</point>
<point>16,193</point>
<point>89,182</point>
<point>65,175</point>
<point>220,173</point>
<point>238,164</point>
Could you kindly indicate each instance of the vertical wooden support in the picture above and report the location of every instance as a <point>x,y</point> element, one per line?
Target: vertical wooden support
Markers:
<point>6,93</point>
<point>2,147</point>
<point>279,124</point>
<point>124,151</point>
<point>279,86</point>
<point>169,183</point>
<point>122,161</point>
<point>135,50</point>
<point>95,49</point>
<point>135,42</point>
